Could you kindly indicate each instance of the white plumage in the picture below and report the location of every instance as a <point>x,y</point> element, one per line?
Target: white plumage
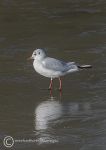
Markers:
<point>51,67</point>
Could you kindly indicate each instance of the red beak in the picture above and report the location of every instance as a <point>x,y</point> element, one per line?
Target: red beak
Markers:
<point>29,58</point>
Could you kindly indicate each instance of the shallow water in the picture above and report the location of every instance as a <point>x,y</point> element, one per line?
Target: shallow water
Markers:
<point>70,30</point>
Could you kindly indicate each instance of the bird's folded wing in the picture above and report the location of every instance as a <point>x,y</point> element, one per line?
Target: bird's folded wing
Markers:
<point>54,64</point>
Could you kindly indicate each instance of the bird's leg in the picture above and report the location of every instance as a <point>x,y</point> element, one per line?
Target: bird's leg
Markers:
<point>51,84</point>
<point>60,82</point>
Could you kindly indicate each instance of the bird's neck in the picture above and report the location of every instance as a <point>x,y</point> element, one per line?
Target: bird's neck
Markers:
<point>39,58</point>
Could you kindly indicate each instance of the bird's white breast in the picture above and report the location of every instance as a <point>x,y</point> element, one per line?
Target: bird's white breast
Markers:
<point>38,66</point>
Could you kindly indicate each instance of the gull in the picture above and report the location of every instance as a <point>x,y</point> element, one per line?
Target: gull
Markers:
<point>53,68</point>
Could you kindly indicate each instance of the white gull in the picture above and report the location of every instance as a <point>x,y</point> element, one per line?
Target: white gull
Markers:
<point>53,68</point>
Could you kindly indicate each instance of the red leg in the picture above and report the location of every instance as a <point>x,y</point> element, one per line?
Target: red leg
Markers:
<point>60,87</point>
<point>51,84</point>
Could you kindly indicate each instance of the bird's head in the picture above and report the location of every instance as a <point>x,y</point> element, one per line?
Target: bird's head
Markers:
<point>38,54</point>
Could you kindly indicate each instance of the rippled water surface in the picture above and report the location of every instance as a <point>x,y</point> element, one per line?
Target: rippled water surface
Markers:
<point>70,30</point>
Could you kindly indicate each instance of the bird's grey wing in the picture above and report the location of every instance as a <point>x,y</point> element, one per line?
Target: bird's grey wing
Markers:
<point>54,64</point>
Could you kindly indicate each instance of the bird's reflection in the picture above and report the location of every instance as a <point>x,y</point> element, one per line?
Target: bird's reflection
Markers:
<point>46,112</point>
<point>52,112</point>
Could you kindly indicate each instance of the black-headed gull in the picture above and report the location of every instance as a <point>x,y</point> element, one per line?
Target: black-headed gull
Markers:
<point>53,68</point>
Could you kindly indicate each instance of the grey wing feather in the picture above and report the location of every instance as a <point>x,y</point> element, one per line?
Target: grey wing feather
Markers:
<point>54,64</point>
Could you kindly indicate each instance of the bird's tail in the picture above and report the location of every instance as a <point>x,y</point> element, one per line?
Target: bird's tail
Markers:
<point>84,66</point>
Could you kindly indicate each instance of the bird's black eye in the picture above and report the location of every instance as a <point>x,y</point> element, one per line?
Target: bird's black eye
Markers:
<point>39,53</point>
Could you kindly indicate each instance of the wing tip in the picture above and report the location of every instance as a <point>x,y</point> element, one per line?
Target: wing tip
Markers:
<point>84,66</point>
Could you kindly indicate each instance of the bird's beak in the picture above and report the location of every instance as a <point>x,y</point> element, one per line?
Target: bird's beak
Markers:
<point>30,58</point>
